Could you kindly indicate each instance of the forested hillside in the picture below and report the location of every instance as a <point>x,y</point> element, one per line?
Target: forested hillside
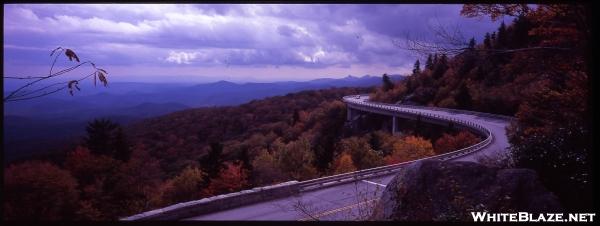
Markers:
<point>203,152</point>
<point>535,68</point>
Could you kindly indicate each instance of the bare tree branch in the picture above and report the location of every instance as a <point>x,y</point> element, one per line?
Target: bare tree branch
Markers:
<point>453,46</point>
<point>306,209</point>
<point>46,87</point>
<point>22,94</point>
<point>451,41</point>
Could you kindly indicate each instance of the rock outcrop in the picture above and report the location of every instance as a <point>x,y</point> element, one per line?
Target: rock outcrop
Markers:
<point>448,191</point>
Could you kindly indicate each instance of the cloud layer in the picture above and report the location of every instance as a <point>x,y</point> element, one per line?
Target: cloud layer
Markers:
<point>324,39</point>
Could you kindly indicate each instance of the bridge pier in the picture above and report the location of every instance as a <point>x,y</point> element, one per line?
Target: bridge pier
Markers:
<point>394,123</point>
<point>348,113</point>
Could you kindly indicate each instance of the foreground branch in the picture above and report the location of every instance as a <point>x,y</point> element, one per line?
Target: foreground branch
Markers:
<point>21,94</point>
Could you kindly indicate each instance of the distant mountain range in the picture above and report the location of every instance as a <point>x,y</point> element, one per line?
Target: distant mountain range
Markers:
<point>57,117</point>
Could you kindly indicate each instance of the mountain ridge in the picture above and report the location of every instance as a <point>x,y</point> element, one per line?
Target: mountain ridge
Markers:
<point>31,120</point>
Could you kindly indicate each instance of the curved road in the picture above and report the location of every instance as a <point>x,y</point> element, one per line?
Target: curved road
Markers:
<point>354,200</point>
<point>496,125</point>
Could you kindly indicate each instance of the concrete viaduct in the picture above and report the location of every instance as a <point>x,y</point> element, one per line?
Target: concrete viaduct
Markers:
<point>343,196</point>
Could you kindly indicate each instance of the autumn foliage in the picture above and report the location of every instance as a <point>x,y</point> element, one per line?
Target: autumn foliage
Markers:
<point>450,142</point>
<point>232,178</point>
<point>39,191</point>
<point>410,148</point>
<point>187,185</point>
<point>192,154</point>
<point>537,69</point>
<point>343,164</point>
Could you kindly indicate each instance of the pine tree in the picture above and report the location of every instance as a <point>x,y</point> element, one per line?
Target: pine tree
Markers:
<point>463,98</point>
<point>502,36</point>
<point>387,83</point>
<point>417,68</point>
<point>486,41</point>
<point>122,150</point>
<point>520,32</point>
<point>429,62</point>
<point>440,67</point>
<point>443,60</point>
<point>101,135</point>
<point>375,141</point>
<point>213,161</point>
<point>472,44</point>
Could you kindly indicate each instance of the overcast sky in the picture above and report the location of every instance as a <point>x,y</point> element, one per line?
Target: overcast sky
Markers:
<point>198,43</point>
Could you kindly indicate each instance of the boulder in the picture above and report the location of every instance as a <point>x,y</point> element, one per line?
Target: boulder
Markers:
<point>432,190</point>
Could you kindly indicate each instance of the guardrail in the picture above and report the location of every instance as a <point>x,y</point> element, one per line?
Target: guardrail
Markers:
<point>218,203</point>
<point>389,169</point>
<point>232,200</point>
<point>455,111</point>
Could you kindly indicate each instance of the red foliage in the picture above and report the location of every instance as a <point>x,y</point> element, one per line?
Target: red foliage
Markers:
<point>39,191</point>
<point>231,179</point>
<point>87,167</point>
<point>448,143</point>
<point>137,182</point>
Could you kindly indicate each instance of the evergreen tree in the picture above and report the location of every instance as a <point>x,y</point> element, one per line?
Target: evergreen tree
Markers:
<point>463,98</point>
<point>213,161</point>
<point>440,67</point>
<point>375,141</point>
<point>520,32</point>
<point>443,60</point>
<point>122,151</point>
<point>472,44</point>
<point>329,134</point>
<point>417,68</point>
<point>101,135</point>
<point>502,36</point>
<point>429,62</point>
<point>469,59</point>
<point>486,41</point>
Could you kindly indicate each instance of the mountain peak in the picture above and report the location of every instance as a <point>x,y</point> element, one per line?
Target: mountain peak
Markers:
<point>223,82</point>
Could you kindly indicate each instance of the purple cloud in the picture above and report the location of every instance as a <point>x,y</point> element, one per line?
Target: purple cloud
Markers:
<point>322,38</point>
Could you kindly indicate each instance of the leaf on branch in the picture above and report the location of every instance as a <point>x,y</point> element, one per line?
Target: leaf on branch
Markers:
<point>95,73</point>
<point>70,54</point>
<point>71,84</point>
<point>102,78</point>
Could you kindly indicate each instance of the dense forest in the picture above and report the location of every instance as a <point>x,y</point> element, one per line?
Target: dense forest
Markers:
<point>119,171</point>
<point>535,68</point>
